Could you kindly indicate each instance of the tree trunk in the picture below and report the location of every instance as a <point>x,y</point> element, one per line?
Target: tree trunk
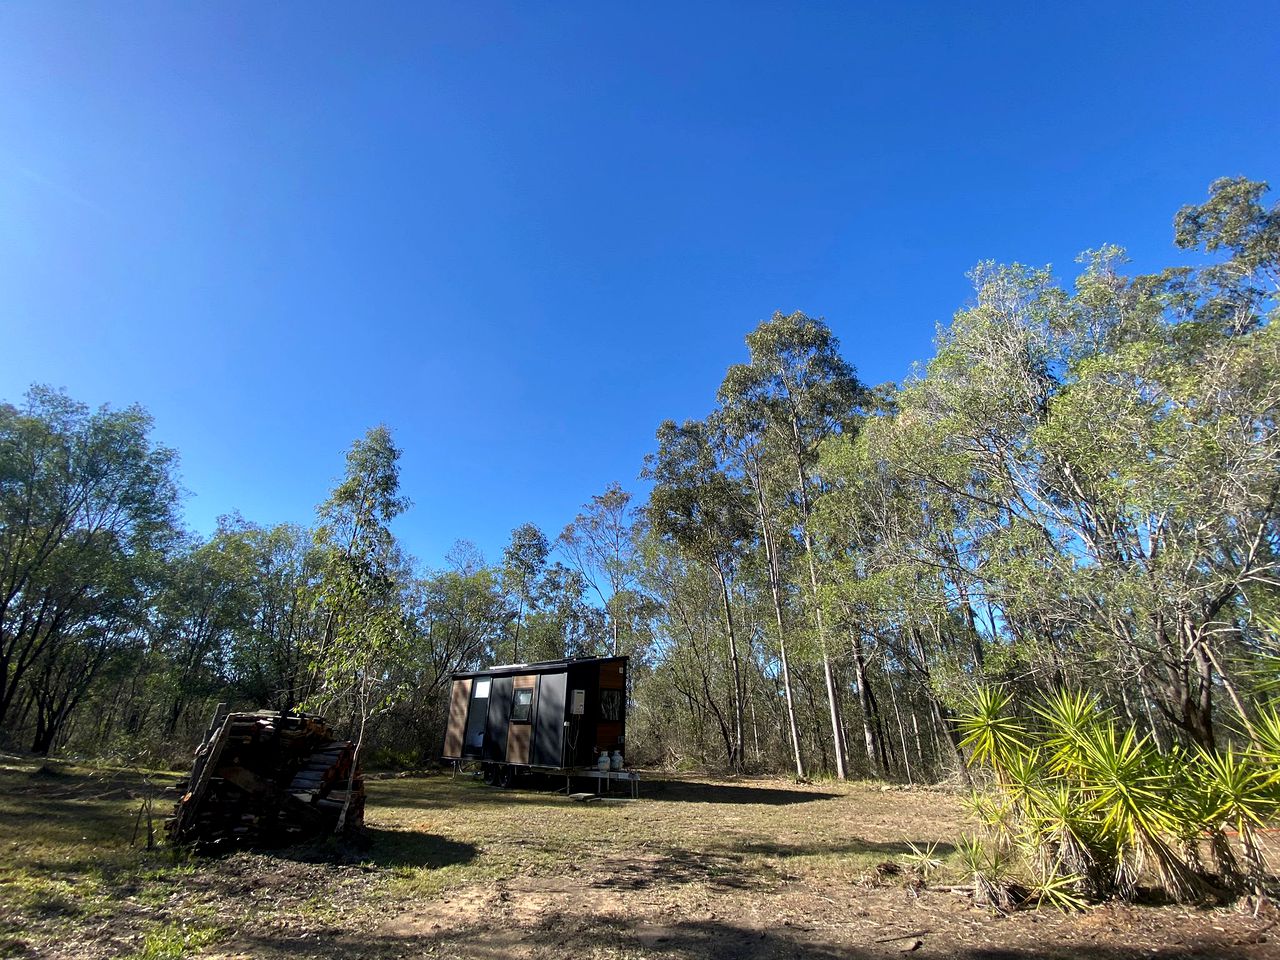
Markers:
<point>833,697</point>
<point>773,563</point>
<point>738,725</point>
<point>902,736</point>
<point>864,701</point>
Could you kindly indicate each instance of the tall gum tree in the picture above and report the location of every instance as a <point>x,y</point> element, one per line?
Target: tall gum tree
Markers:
<point>800,390</point>
<point>702,512</point>
<point>741,433</point>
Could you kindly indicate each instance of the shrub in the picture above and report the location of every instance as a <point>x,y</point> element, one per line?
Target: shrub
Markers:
<point>1088,807</point>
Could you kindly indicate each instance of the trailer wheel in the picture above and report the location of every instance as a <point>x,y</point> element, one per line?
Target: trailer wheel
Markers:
<point>507,776</point>
<point>489,773</point>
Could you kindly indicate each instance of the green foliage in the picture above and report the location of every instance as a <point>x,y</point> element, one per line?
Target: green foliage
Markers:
<point>1076,493</point>
<point>1093,808</point>
<point>990,732</point>
<point>923,861</point>
<point>175,941</point>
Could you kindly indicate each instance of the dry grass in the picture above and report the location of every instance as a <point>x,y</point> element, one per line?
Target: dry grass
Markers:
<point>452,868</point>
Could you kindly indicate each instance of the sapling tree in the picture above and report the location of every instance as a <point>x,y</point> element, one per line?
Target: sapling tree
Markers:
<point>362,588</point>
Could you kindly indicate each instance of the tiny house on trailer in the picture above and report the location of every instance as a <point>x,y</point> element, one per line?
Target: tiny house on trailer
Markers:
<point>552,717</point>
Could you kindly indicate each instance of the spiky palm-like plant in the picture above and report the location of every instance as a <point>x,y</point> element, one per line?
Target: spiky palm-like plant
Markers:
<point>1069,717</point>
<point>1134,798</point>
<point>990,871</point>
<point>990,732</point>
<point>1266,733</point>
<point>1059,890</point>
<point>1064,839</point>
<point>923,861</point>
<point>1243,795</point>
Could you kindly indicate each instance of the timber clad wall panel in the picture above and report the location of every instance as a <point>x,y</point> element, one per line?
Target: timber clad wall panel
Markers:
<point>520,733</point>
<point>458,702</point>
<point>608,735</point>
<point>518,743</point>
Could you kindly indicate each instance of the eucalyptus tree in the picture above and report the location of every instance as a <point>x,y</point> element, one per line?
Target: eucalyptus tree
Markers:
<point>200,615</point>
<point>796,391</point>
<point>364,577</point>
<point>741,434</point>
<point>565,623</point>
<point>704,514</point>
<point>268,656</point>
<point>886,582</point>
<point>457,618</point>
<point>601,544</point>
<point>683,703</point>
<point>87,502</point>
<point>1118,445</point>
<point>524,563</point>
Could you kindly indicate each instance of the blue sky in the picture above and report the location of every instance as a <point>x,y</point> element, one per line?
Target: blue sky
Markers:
<point>522,235</point>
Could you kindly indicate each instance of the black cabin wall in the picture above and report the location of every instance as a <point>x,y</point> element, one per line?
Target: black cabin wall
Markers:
<point>548,729</point>
<point>495,737</point>
<point>552,743</point>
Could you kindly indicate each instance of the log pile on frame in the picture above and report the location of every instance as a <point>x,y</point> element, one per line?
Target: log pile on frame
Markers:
<point>267,779</point>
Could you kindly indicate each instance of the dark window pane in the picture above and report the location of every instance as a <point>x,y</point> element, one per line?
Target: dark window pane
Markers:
<point>522,706</point>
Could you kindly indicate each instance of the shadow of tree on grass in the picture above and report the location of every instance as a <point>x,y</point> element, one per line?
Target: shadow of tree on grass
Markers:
<point>382,848</point>
<point>691,791</point>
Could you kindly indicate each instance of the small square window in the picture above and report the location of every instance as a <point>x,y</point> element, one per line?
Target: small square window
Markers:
<point>522,706</point>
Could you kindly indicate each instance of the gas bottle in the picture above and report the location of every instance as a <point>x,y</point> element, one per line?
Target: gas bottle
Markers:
<point>615,763</point>
<point>603,762</point>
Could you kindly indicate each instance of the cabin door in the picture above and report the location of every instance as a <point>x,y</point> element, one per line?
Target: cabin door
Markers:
<point>473,746</point>
<point>495,735</point>
<point>549,730</point>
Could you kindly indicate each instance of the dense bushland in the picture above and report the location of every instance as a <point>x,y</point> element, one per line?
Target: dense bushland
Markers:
<point>1078,492</point>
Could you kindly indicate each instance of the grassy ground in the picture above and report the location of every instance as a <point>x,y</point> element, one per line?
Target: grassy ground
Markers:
<point>451,868</point>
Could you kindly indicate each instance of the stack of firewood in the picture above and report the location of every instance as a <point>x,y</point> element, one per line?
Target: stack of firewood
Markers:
<point>265,779</point>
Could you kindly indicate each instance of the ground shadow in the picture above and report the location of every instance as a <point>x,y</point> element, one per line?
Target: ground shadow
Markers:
<point>549,791</point>
<point>381,847</point>
<point>413,848</point>
<point>462,792</point>
<point>686,940</point>
<point>690,791</point>
<point>673,866</point>
<point>855,846</point>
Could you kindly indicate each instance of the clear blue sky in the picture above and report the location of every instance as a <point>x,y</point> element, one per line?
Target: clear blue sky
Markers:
<point>521,235</point>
